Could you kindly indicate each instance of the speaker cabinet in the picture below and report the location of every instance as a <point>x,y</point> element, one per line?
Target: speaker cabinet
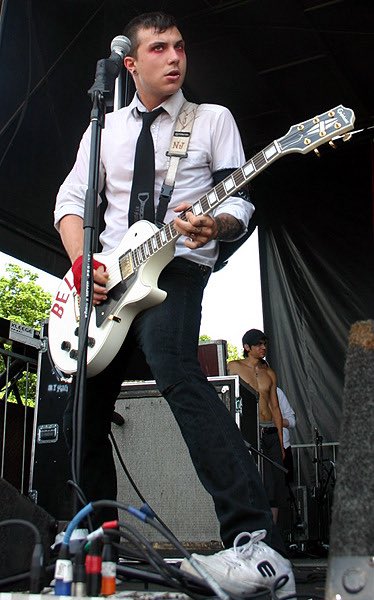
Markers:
<point>150,446</point>
<point>213,357</point>
<point>17,541</point>
<point>158,461</point>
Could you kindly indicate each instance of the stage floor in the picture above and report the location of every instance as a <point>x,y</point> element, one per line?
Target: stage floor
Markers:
<point>310,577</point>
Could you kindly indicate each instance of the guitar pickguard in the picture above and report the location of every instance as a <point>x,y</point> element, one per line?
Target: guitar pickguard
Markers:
<point>107,308</point>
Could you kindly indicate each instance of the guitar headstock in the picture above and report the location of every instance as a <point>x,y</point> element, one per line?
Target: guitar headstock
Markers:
<point>307,135</point>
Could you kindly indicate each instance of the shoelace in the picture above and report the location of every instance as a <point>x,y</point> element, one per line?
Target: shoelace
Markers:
<point>254,537</point>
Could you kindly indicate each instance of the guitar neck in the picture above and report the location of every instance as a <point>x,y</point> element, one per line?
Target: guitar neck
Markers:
<point>302,137</point>
<point>234,182</point>
<point>223,190</point>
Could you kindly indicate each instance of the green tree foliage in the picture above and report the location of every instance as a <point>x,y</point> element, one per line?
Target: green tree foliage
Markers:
<point>22,301</point>
<point>232,352</point>
<point>205,338</point>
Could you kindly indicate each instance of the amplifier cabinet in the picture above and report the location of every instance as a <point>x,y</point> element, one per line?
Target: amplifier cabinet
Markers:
<point>213,357</point>
<point>159,463</point>
<point>150,446</point>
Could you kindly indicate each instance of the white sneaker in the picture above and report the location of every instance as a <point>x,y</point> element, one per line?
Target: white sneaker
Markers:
<point>245,569</point>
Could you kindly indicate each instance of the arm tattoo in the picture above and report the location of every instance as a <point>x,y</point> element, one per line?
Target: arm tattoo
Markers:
<point>229,227</point>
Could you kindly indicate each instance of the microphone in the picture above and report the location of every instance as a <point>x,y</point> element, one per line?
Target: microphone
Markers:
<point>108,69</point>
<point>119,47</point>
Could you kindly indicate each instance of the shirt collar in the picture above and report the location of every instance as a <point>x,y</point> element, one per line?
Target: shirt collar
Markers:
<point>172,105</point>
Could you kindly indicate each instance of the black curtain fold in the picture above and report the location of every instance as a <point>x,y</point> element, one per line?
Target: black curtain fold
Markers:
<point>316,258</point>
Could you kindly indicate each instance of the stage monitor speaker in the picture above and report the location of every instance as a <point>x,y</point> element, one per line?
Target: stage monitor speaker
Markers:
<point>17,541</point>
<point>351,558</point>
<point>158,461</point>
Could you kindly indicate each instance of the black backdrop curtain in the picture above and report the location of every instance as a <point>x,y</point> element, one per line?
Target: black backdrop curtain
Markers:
<point>314,215</point>
<point>316,256</point>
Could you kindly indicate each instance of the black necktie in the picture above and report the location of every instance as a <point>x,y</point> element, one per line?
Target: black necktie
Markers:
<point>143,183</point>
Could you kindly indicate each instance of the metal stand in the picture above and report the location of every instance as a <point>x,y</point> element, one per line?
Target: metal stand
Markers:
<point>101,94</point>
<point>325,483</point>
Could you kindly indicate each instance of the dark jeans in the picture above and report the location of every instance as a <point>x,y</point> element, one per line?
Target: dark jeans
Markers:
<point>168,336</point>
<point>274,479</point>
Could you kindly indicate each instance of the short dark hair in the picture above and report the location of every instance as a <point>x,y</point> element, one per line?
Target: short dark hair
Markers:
<point>151,20</point>
<point>252,337</point>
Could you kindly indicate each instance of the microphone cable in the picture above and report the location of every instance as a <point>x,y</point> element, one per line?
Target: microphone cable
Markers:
<point>82,498</point>
<point>37,571</point>
<point>6,582</point>
<point>174,576</point>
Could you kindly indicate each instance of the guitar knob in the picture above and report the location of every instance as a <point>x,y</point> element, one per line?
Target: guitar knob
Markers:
<point>91,342</point>
<point>65,346</point>
<point>74,354</point>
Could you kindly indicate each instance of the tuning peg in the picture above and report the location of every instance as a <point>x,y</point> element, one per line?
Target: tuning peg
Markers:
<point>332,144</point>
<point>317,152</point>
<point>346,137</point>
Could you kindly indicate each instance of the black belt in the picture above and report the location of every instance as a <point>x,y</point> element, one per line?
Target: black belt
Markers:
<point>269,430</point>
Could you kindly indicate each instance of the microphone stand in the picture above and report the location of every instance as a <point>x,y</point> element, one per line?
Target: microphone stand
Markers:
<point>101,93</point>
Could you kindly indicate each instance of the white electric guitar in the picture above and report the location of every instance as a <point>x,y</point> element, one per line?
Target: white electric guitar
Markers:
<point>135,265</point>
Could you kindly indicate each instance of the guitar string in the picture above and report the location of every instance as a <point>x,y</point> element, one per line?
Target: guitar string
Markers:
<point>204,204</point>
<point>239,179</point>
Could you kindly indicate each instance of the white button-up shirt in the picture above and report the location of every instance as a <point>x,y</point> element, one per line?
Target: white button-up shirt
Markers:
<point>215,144</point>
<point>287,413</point>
